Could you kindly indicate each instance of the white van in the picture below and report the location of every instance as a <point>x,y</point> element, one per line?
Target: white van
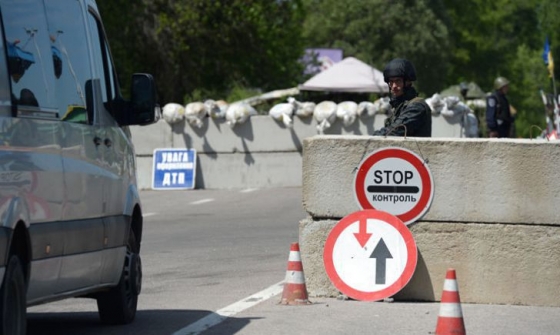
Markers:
<point>70,214</point>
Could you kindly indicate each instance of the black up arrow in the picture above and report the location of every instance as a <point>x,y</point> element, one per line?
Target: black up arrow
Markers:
<point>380,253</point>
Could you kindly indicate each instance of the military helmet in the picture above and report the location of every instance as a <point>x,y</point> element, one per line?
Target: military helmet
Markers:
<point>500,82</point>
<point>399,67</point>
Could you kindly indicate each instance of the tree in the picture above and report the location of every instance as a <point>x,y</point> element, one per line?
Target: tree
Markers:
<point>124,30</point>
<point>204,49</point>
<point>375,31</point>
<point>207,46</point>
<point>502,38</point>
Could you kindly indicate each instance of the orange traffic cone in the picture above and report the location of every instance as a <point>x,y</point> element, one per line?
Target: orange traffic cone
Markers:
<point>295,291</point>
<point>450,319</point>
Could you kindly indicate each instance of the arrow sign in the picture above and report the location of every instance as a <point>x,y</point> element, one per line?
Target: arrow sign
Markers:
<point>380,253</point>
<point>362,235</point>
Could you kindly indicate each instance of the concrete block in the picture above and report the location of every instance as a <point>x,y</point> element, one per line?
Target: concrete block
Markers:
<point>148,138</point>
<point>260,133</point>
<point>144,172</point>
<point>495,263</point>
<point>235,170</point>
<point>475,180</point>
<point>312,237</point>
<point>248,170</point>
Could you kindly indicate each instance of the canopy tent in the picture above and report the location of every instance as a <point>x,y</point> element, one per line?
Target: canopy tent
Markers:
<point>348,75</point>
<point>474,92</point>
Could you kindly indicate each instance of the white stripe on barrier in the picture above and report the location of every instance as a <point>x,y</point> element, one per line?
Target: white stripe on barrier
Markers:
<point>450,310</point>
<point>450,285</point>
<point>294,277</point>
<point>294,256</point>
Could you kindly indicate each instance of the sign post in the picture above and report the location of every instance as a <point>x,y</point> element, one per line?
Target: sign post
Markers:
<point>174,169</point>
<point>370,255</point>
<point>395,180</point>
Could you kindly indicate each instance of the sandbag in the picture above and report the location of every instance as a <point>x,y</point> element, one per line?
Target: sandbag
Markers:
<point>195,112</point>
<point>173,113</point>
<point>347,111</point>
<point>238,113</point>
<point>325,115</point>
<point>282,112</point>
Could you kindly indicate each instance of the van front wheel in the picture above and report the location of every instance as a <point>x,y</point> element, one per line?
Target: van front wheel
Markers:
<point>12,299</point>
<point>118,305</point>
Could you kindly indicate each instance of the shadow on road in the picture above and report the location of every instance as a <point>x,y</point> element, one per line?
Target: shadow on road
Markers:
<point>147,322</point>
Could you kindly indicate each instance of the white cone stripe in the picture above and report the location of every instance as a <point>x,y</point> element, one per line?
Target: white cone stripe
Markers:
<point>294,277</point>
<point>450,310</point>
<point>294,256</point>
<point>450,285</point>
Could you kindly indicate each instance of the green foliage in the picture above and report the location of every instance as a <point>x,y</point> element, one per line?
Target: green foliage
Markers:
<point>199,49</point>
<point>216,44</point>
<point>125,40</point>
<point>499,38</point>
<point>207,46</point>
<point>528,78</point>
<point>239,92</point>
<point>375,31</point>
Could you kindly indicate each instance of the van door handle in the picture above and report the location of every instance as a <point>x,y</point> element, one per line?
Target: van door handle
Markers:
<point>97,141</point>
<point>108,142</point>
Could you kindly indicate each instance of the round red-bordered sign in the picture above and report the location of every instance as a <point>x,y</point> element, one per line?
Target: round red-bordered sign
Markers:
<point>370,255</point>
<point>403,166</point>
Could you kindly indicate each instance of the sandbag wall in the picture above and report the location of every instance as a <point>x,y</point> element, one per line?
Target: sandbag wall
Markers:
<point>261,152</point>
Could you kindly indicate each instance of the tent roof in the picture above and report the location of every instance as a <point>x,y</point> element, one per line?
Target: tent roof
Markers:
<point>348,75</point>
<point>474,92</point>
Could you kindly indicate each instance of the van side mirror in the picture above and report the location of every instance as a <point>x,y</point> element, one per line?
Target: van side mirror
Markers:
<point>144,108</point>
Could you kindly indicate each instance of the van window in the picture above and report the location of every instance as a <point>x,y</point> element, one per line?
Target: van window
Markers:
<point>70,58</point>
<point>30,61</point>
<point>102,60</point>
<point>4,81</point>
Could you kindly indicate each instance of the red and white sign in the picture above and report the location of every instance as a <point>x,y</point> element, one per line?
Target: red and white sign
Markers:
<point>370,255</point>
<point>397,181</point>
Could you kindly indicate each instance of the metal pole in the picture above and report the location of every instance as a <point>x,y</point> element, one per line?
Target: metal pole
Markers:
<point>556,108</point>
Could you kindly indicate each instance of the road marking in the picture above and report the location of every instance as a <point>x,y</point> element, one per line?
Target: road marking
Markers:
<point>149,214</point>
<point>247,190</point>
<point>201,201</point>
<point>222,314</point>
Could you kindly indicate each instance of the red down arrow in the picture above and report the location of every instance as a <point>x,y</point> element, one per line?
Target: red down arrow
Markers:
<point>362,235</point>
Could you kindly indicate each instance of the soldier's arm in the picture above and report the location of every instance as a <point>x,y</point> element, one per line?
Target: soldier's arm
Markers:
<point>491,105</point>
<point>409,121</point>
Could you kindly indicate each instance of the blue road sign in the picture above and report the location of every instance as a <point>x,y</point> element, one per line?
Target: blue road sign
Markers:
<point>174,169</point>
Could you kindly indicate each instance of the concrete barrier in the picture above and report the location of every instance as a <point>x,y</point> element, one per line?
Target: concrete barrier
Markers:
<point>258,153</point>
<point>494,215</point>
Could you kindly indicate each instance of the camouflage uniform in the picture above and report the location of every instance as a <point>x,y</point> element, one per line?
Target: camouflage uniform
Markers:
<point>411,116</point>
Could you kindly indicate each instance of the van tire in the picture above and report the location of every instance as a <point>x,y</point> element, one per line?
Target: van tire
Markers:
<point>118,305</point>
<point>13,305</point>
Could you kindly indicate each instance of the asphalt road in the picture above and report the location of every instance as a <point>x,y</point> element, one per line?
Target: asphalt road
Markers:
<point>208,254</point>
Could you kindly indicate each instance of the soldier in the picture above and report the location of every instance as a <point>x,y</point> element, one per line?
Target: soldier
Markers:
<point>411,115</point>
<point>499,120</point>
